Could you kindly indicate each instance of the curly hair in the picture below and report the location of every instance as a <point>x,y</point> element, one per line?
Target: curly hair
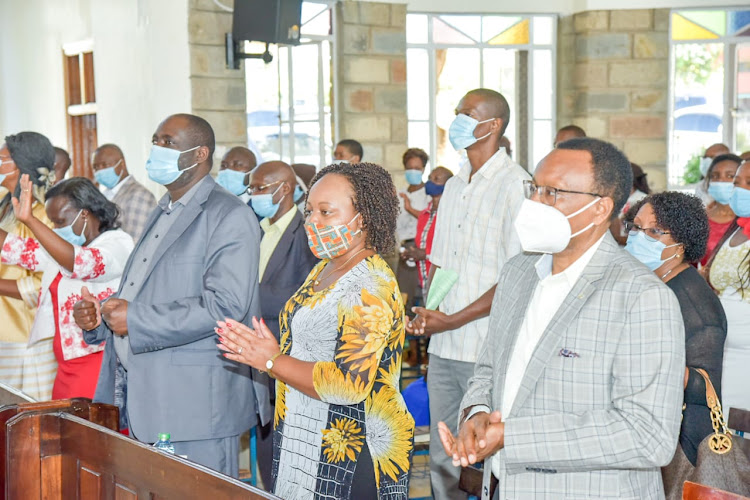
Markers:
<point>375,199</point>
<point>682,215</point>
<point>82,194</point>
<point>415,153</point>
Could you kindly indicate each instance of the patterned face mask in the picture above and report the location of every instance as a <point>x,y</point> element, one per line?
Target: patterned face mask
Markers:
<point>329,242</point>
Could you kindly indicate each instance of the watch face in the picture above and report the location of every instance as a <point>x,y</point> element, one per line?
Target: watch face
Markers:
<point>269,364</point>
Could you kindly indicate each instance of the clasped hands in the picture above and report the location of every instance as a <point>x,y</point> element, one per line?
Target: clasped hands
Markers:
<point>478,437</point>
<point>428,322</point>
<point>89,313</point>
<point>250,346</point>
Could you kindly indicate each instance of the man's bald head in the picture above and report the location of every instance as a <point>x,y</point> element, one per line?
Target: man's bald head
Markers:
<point>715,150</point>
<point>275,178</point>
<point>494,105</point>
<point>569,132</point>
<point>197,131</point>
<point>239,158</point>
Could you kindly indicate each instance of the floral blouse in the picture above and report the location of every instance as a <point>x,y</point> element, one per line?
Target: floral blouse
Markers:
<point>727,269</point>
<point>354,332</point>
<point>98,266</point>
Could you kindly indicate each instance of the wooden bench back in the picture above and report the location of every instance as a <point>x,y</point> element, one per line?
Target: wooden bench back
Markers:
<point>57,456</point>
<point>695,491</point>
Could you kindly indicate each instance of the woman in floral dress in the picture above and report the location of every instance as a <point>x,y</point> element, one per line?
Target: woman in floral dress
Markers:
<point>84,249</point>
<point>342,430</point>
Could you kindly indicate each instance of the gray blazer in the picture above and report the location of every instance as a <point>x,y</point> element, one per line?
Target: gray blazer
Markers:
<point>205,269</point>
<point>598,410</point>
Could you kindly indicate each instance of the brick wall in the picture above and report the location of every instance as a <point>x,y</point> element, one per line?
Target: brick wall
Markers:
<point>218,94</point>
<point>371,61</point>
<point>613,81</point>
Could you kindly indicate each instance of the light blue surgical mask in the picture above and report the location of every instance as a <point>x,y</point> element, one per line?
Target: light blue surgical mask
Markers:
<point>646,250</point>
<point>107,177</point>
<point>69,235</point>
<point>298,193</point>
<point>413,177</point>
<point>461,132</point>
<point>339,162</point>
<point>232,181</point>
<point>3,176</point>
<point>263,204</point>
<point>162,166</point>
<point>740,202</point>
<point>721,191</point>
<point>705,165</point>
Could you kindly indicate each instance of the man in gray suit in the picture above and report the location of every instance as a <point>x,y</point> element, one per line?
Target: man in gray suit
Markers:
<point>578,392</point>
<point>196,262</point>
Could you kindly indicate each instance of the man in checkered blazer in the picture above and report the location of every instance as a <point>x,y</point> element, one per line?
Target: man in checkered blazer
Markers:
<point>115,182</point>
<point>578,392</point>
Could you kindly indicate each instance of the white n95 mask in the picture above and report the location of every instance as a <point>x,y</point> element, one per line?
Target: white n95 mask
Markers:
<point>544,229</point>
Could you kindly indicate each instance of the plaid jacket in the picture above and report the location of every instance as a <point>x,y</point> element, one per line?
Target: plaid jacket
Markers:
<point>135,203</point>
<point>598,410</point>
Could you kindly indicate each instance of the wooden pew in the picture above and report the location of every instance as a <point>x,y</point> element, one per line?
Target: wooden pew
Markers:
<point>101,414</point>
<point>57,456</point>
<point>10,395</point>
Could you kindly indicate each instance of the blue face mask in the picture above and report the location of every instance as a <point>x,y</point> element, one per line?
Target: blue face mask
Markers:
<point>740,202</point>
<point>69,235</point>
<point>298,193</point>
<point>263,204</point>
<point>232,181</point>
<point>721,191</point>
<point>461,132</point>
<point>3,176</point>
<point>646,250</point>
<point>162,166</point>
<point>433,189</point>
<point>107,177</point>
<point>413,177</point>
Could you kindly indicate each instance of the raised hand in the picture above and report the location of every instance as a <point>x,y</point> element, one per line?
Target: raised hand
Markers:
<point>87,311</point>
<point>22,206</point>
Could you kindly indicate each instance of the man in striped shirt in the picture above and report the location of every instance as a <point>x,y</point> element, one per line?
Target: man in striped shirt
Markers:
<point>474,236</point>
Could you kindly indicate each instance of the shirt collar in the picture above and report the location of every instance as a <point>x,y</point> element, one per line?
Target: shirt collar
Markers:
<point>573,272</point>
<point>488,170</point>
<point>165,203</point>
<point>280,224</point>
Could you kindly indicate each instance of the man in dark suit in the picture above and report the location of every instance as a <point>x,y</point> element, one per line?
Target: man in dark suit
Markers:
<point>285,262</point>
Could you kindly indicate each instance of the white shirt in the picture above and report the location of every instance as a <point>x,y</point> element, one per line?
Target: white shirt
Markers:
<point>111,193</point>
<point>474,236</point>
<point>406,224</point>
<point>548,296</point>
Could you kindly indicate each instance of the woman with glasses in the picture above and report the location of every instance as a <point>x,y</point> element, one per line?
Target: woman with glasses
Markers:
<point>729,274</point>
<point>719,184</point>
<point>666,232</point>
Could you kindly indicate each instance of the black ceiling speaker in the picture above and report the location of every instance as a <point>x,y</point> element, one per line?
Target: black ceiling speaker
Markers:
<point>270,21</point>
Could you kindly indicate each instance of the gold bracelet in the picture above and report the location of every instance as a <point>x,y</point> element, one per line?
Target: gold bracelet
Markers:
<point>269,364</point>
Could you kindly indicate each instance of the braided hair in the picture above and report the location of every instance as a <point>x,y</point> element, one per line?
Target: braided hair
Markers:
<point>375,199</point>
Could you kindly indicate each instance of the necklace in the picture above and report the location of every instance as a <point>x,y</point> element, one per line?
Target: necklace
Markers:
<point>667,273</point>
<point>317,281</point>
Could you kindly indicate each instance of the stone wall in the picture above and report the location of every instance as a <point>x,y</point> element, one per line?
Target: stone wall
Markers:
<point>218,93</point>
<point>371,96</point>
<point>613,74</point>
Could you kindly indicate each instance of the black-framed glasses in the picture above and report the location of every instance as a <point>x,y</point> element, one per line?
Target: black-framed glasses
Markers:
<point>652,233</point>
<point>548,194</point>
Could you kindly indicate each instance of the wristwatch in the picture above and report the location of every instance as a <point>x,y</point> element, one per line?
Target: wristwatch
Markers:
<point>269,363</point>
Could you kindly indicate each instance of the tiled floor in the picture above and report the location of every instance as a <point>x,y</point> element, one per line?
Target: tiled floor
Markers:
<point>419,484</point>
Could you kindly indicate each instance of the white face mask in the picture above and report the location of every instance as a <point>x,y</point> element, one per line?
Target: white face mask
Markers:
<point>544,229</point>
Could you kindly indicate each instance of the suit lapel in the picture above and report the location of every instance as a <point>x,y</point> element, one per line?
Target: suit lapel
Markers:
<point>566,315</point>
<point>189,212</point>
<point>282,247</point>
<point>519,304</point>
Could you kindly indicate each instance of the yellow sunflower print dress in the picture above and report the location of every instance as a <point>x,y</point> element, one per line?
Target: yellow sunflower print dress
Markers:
<point>354,332</point>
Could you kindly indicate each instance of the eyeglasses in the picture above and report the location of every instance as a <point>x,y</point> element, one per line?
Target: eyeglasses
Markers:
<point>652,233</point>
<point>254,189</point>
<point>547,194</point>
